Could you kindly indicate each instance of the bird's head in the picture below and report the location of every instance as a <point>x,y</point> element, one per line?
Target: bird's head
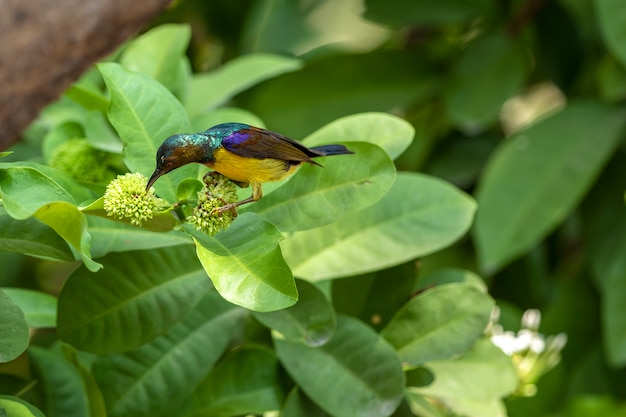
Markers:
<point>179,150</point>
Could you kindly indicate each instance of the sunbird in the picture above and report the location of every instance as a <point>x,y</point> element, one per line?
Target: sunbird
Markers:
<point>246,155</point>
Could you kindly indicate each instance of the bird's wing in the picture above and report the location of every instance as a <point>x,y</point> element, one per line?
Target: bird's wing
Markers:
<point>260,143</point>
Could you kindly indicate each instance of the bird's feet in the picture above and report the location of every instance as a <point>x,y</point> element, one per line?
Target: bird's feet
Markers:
<point>232,207</point>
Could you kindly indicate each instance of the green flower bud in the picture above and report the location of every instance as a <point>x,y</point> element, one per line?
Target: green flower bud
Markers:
<point>219,192</point>
<point>83,162</point>
<point>126,198</point>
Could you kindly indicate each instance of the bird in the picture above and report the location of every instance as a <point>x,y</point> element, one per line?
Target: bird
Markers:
<point>244,154</point>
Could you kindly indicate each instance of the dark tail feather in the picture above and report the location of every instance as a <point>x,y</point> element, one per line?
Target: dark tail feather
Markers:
<point>326,150</point>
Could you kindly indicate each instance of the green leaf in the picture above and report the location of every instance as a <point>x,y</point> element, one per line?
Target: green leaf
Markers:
<point>299,405</point>
<point>145,293</point>
<point>446,276</point>
<point>155,379</point>
<point>375,298</point>
<point>355,357</point>
<point>162,221</point>
<point>311,320</point>
<point>13,330</point>
<point>439,323</point>
<point>40,309</point>
<point>100,134</point>
<point>536,178</point>
<point>245,264</point>
<point>3,154</point>
<point>16,407</point>
<point>202,122</point>
<point>317,196</point>
<point>418,216</point>
<point>145,113</point>
<point>474,383</point>
<point>71,225</point>
<point>60,382</point>
<point>24,190</point>
<point>209,90</point>
<point>87,92</point>
<point>490,71</point>
<point>425,12</point>
<point>92,391</point>
<point>31,237</point>
<point>391,133</point>
<point>300,103</point>
<point>244,382</point>
<point>158,54</point>
<point>611,15</point>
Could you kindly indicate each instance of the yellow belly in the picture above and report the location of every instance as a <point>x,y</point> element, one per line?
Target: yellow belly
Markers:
<point>250,170</point>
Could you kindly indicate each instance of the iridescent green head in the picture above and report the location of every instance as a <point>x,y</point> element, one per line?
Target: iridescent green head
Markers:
<point>179,150</point>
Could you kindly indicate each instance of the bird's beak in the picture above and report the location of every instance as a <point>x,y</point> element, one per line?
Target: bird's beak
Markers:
<point>155,175</point>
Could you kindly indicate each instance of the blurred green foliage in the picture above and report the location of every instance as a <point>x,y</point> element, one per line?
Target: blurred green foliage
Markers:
<point>489,170</point>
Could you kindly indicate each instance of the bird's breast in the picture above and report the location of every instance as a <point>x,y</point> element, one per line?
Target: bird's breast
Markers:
<point>250,170</point>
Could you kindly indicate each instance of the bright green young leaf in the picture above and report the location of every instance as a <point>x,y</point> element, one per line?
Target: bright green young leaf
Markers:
<point>87,92</point>
<point>13,330</point>
<point>378,81</point>
<point>71,225</point>
<point>536,178</point>
<point>162,221</point>
<point>16,407</point>
<point>311,320</point>
<point>144,292</point>
<point>356,357</point>
<point>31,237</point>
<point>421,406</point>
<point>426,12</point>
<point>202,122</point>
<point>158,54</point>
<point>418,216</point>
<point>298,405</point>
<point>245,382</point>
<point>391,133</point>
<point>100,134</point>
<point>245,264</point>
<point>145,113</point>
<point>40,309</point>
<point>24,190</point>
<point>474,383</point>
<point>316,196</point>
<point>60,382</point>
<point>490,71</point>
<point>156,378</point>
<point>3,154</point>
<point>207,91</point>
<point>439,323</point>
<point>611,15</point>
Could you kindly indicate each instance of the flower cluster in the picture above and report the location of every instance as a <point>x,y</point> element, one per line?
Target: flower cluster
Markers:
<point>532,353</point>
<point>83,162</point>
<point>126,198</point>
<point>219,191</point>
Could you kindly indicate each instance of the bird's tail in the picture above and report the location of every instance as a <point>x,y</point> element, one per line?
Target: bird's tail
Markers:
<point>326,150</point>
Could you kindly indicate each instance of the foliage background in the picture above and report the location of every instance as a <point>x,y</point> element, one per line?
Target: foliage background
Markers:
<point>517,103</point>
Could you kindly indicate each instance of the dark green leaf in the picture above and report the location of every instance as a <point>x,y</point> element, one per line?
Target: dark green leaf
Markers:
<point>40,309</point>
<point>207,91</point>
<point>144,293</point>
<point>300,103</point>
<point>534,179</point>
<point>418,216</point>
<point>451,276</point>
<point>13,330</point>
<point>356,357</point>
<point>155,379</point>
<point>299,405</point>
<point>245,382</point>
<point>60,383</point>
<point>401,13</point>
<point>317,196</point>
<point>491,70</point>
<point>245,264</point>
<point>611,15</point>
<point>202,122</point>
<point>311,320</point>
<point>31,237</point>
